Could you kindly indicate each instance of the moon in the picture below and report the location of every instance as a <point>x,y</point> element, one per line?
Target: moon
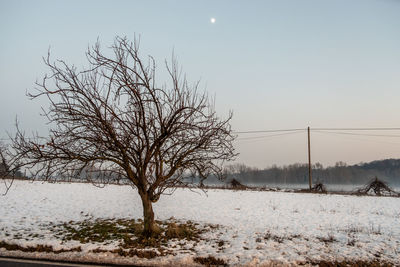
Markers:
<point>213,20</point>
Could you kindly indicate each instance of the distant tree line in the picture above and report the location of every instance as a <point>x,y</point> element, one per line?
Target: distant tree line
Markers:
<point>340,173</point>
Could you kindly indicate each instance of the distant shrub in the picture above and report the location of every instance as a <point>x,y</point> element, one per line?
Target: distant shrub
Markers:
<point>236,184</point>
<point>319,187</point>
<point>378,187</point>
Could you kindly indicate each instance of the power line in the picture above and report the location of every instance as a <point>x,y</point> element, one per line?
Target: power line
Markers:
<point>295,130</point>
<point>357,129</point>
<point>269,131</point>
<point>359,134</point>
<point>352,137</point>
<point>267,136</point>
<point>321,129</point>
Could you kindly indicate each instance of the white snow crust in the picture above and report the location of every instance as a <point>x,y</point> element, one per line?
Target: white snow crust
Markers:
<point>258,228</point>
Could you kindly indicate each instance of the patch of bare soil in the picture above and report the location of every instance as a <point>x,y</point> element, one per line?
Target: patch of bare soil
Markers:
<point>126,234</point>
<point>37,248</point>
<point>210,261</point>
<point>352,264</point>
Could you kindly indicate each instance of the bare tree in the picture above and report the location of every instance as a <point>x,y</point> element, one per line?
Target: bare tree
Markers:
<point>9,168</point>
<point>4,167</point>
<point>113,117</point>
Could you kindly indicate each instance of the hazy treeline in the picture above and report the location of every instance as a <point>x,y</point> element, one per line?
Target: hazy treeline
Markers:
<point>341,173</point>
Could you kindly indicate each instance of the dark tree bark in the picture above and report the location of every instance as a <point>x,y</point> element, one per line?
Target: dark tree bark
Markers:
<point>149,226</point>
<point>111,121</point>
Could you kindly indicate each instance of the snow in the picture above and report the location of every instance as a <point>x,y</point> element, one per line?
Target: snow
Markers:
<point>256,227</point>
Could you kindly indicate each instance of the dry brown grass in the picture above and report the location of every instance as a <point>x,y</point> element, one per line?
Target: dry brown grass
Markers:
<point>37,248</point>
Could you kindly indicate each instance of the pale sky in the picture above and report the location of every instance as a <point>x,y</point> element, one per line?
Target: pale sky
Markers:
<point>275,64</point>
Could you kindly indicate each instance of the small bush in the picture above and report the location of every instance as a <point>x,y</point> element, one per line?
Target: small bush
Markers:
<point>378,187</point>
<point>319,187</point>
<point>236,184</point>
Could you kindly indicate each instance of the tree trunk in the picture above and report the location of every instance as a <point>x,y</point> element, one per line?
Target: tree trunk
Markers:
<point>150,227</point>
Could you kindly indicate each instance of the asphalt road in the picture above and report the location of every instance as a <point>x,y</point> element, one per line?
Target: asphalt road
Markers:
<point>13,262</point>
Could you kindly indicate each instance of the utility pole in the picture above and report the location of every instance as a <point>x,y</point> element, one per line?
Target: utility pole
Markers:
<point>309,160</point>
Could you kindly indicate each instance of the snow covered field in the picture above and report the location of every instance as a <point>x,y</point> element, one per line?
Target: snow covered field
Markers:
<point>256,227</point>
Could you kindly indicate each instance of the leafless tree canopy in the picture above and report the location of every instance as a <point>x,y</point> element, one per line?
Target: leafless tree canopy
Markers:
<point>113,117</point>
